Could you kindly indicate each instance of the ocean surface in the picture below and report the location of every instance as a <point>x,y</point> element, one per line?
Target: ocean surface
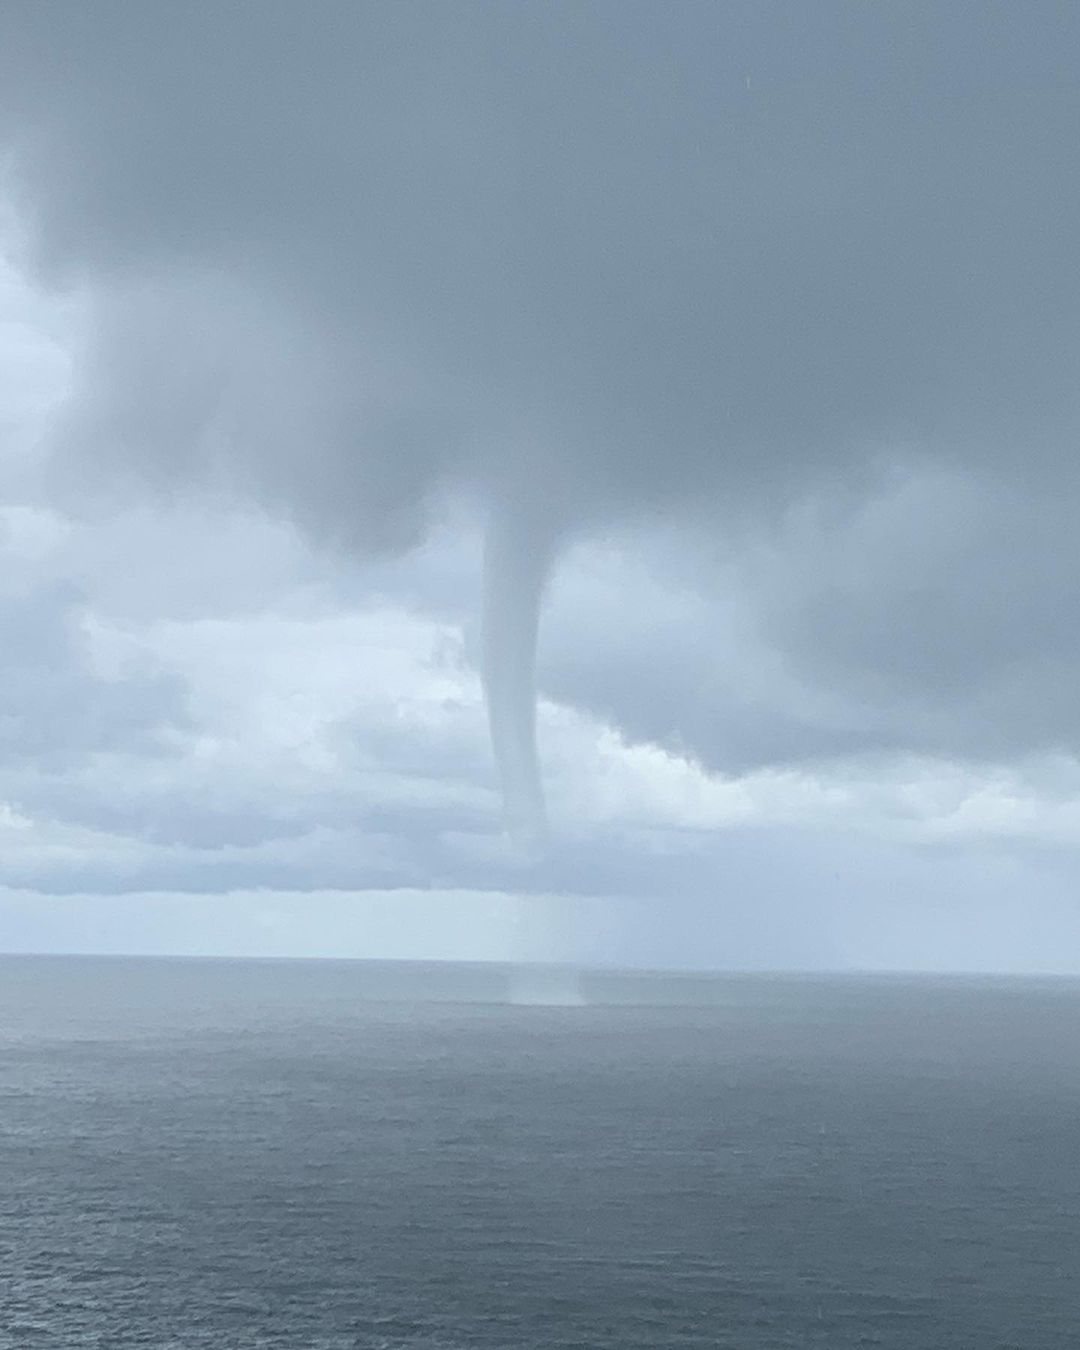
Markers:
<point>325,1156</point>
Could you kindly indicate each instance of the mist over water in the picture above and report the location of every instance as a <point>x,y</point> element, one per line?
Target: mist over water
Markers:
<point>283,1154</point>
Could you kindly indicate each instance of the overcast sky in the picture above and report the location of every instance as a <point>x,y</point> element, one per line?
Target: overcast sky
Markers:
<point>747,333</point>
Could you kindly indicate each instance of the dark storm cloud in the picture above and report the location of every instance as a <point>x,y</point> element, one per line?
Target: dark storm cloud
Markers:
<point>597,261</point>
<point>936,616</point>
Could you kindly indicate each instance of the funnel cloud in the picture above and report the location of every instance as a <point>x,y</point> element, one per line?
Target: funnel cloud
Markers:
<point>517,558</point>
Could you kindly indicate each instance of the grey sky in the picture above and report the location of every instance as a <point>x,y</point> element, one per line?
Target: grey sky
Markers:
<point>759,323</point>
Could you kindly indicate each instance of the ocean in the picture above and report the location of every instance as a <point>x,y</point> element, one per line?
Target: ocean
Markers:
<point>336,1155</point>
